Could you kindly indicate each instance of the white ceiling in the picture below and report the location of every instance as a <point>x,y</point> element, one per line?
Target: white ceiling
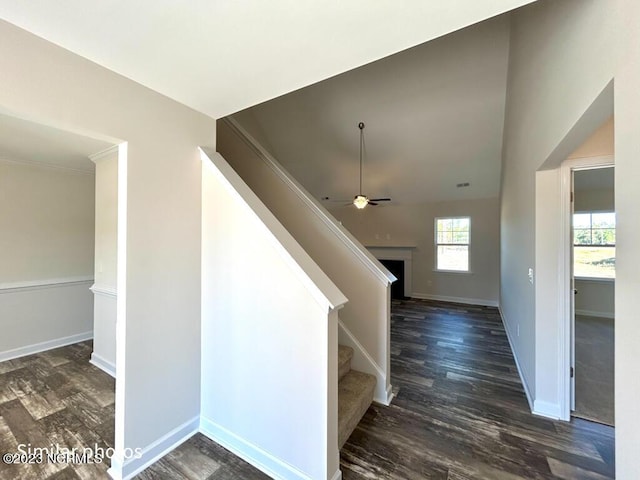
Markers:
<point>222,56</point>
<point>24,141</point>
<point>434,118</point>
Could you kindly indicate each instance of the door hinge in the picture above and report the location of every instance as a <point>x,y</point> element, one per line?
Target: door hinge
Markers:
<point>571,372</point>
<point>571,196</point>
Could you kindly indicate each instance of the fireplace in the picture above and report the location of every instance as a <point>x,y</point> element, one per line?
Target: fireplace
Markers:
<point>398,261</point>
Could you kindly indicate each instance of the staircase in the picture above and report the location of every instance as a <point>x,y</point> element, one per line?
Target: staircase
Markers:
<point>355,394</point>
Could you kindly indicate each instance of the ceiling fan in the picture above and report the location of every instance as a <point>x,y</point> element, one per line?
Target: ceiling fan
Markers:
<point>361,200</point>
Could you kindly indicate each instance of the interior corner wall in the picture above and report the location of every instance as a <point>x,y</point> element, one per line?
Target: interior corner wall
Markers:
<point>627,148</point>
<point>413,225</point>
<point>560,60</point>
<point>158,381</point>
<point>106,259</point>
<point>46,253</point>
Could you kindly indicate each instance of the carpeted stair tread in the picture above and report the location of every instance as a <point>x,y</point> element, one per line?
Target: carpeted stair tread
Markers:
<point>355,394</point>
<point>345,354</point>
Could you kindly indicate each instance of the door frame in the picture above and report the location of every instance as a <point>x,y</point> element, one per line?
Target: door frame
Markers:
<point>565,274</point>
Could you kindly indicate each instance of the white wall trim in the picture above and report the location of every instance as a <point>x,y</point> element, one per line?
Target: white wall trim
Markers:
<point>104,290</point>
<point>103,364</point>
<point>251,453</point>
<point>364,362</point>
<point>358,250</point>
<point>154,451</point>
<point>44,346</point>
<point>467,301</point>
<point>321,287</point>
<point>547,410</point>
<point>40,284</point>
<point>525,385</point>
<point>566,352</point>
<point>107,152</point>
<point>337,475</point>
<point>48,166</point>
<point>593,313</point>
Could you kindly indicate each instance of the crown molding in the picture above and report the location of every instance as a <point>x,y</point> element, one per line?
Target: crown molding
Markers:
<point>47,166</point>
<point>96,157</point>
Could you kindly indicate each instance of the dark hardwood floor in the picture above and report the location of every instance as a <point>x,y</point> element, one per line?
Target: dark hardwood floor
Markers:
<point>460,413</point>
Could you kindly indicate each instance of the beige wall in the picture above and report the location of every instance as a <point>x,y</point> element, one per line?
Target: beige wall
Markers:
<point>413,225</point>
<point>46,253</point>
<point>158,348</point>
<point>106,260</point>
<point>599,143</point>
<point>46,220</point>
<point>627,147</point>
<point>551,43</point>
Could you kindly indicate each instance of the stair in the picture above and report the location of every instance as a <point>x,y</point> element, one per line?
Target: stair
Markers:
<point>355,394</point>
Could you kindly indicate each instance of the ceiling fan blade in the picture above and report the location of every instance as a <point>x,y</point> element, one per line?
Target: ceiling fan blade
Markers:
<point>380,199</point>
<point>372,203</point>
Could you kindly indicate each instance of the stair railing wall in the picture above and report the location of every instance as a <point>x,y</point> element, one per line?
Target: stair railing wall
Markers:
<point>269,336</point>
<point>365,321</point>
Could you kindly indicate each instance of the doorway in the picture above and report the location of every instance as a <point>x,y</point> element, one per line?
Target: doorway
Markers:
<point>592,266</point>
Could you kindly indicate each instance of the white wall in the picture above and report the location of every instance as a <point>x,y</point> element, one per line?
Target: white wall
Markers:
<point>366,318</point>
<point>560,61</point>
<point>269,336</point>
<point>627,147</point>
<point>46,253</point>
<point>106,258</point>
<point>413,225</point>
<point>158,355</point>
<point>596,297</point>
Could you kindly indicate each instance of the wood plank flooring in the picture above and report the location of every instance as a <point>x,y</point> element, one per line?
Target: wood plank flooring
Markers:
<point>460,413</point>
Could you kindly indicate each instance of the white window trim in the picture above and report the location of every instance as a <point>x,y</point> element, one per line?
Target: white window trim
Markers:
<point>436,244</point>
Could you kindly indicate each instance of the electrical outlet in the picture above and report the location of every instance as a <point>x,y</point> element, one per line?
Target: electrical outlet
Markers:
<point>531,276</point>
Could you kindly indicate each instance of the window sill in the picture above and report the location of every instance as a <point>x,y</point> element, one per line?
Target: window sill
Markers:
<point>458,272</point>
<point>596,279</point>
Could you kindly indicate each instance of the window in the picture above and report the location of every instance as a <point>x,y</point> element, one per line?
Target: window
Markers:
<point>594,244</point>
<point>452,244</point>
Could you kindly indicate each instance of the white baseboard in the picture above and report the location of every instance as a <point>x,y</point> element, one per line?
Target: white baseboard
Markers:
<point>44,346</point>
<point>251,453</point>
<point>525,385</point>
<point>467,301</point>
<point>154,451</point>
<point>103,364</point>
<point>591,313</point>
<point>546,409</point>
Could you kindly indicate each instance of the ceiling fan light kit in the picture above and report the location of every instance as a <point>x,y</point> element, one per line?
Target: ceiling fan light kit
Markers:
<point>360,200</point>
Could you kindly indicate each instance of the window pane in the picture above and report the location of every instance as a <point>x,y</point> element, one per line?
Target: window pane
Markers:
<point>594,262</point>
<point>460,237</point>
<point>582,237</point>
<point>603,220</point>
<point>445,237</point>
<point>604,236</point>
<point>461,224</point>
<point>444,224</point>
<point>453,258</point>
<point>582,220</point>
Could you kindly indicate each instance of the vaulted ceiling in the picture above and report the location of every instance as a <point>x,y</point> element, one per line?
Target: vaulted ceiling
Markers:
<point>222,56</point>
<point>434,118</point>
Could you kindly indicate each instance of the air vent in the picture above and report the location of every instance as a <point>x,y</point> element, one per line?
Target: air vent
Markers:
<point>463,185</point>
